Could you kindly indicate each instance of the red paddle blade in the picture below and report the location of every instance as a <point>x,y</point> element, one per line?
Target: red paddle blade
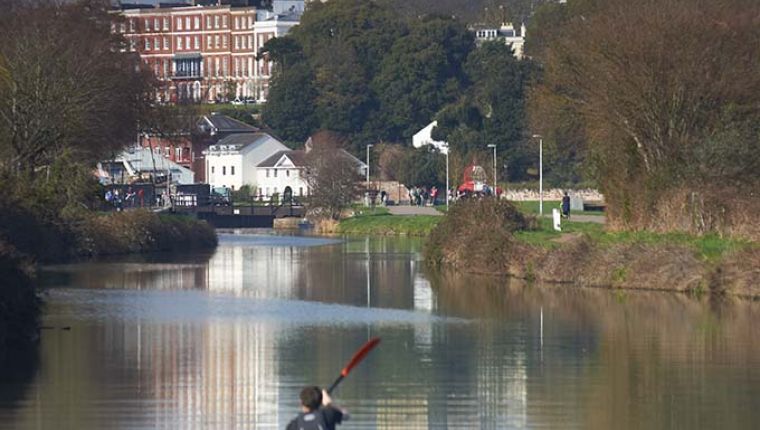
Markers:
<point>359,355</point>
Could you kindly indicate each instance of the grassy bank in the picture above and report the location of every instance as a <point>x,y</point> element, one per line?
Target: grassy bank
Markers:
<point>379,222</point>
<point>585,254</point>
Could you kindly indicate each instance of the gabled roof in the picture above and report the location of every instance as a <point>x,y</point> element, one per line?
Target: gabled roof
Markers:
<point>217,123</point>
<point>242,139</point>
<point>297,157</point>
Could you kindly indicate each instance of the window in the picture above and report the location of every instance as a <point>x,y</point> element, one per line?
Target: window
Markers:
<point>166,24</point>
<point>147,44</point>
<point>267,177</point>
<point>275,190</point>
<point>237,42</point>
<point>275,174</point>
<point>224,41</point>
<point>224,21</point>
<point>187,43</point>
<point>300,191</point>
<point>260,191</point>
<point>232,170</point>
<point>187,23</point>
<point>237,22</point>
<point>132,45</point>
<point>197,42</point>
<point>224,170</point>
<point>179,23</point>
<point>216,41</point>
<point>156,24</point>
<point>157,44</point>
<point>208,22</point>
<point>179,43</point>
<point>287,173</point>
<point>216,21</point>
<point>267,191</point>
<point>178,153</point>
<point>131,25</point>
<point>224,67</point>
<point>147,24</point>
<point>212,169</point>
<point>197,23</point>
<point>166,67</point>
<point>166,43</point>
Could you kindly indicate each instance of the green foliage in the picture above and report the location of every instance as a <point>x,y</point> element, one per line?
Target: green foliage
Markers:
<point>421,73</point>
<point>421,166</point>
<point>290,109</point>
<point>492,110</point>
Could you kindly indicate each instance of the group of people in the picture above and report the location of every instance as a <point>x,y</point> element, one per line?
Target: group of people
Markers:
<point>128,199</point>
<point>422,196</point>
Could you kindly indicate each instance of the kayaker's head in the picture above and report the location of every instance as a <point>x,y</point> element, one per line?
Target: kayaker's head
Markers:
<point>311,398</point>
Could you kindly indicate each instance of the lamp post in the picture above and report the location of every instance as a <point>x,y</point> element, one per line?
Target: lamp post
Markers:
<point>540,173</point>
<point>491,145</point>
<point>369,145</point>
<point>446,151</point>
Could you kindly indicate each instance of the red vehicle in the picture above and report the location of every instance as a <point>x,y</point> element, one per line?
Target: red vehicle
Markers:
<point>475,182</point>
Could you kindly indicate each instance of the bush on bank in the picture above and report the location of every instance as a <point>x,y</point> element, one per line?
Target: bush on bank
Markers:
<point>478,232</point>
<point>142,231</point>
<point>484,237</point>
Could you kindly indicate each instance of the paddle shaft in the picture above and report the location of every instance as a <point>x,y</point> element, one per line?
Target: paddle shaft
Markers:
<point>356,359</point>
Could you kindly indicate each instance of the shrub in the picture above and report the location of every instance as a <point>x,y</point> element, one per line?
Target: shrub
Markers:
<point>477,232</point>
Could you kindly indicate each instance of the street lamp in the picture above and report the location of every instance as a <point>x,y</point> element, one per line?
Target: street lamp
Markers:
<point>446,151</point>
<point>540,173</point>
<point>491,145</point>
<point>369,145</point>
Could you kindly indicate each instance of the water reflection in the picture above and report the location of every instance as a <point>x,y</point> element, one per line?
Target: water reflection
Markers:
<point>228,340</point>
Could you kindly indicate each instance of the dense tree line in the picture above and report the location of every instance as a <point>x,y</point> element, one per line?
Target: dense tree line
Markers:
<point>361,69</point>
<point>662,100</point>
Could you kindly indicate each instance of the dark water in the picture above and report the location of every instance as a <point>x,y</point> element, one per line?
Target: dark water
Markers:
<point>227,340</point>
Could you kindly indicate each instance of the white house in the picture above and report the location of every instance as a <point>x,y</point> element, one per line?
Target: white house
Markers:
<point>280,172</point>
<point>423,137</point>
<point>507,33</point>
<point>231,162</point>
<point>285,169</point>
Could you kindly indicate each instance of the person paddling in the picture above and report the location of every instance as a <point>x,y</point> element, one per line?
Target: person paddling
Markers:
<point>318,412</point>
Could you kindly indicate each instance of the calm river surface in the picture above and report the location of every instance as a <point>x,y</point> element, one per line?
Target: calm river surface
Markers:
<point>226,340</point>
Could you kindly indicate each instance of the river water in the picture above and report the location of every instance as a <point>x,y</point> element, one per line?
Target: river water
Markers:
<point>227,340</point>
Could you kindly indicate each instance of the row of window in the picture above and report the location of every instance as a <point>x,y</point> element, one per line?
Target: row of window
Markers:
<point>287,172</point>
<point>224,170</point>
<point>211,67</point>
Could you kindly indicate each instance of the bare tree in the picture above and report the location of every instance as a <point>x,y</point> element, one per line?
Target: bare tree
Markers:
<point>71,86</point>
<point>665,92</point>
<point>332,177</point>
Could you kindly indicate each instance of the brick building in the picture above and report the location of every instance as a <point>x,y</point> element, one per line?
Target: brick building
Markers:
<point>206,53</point>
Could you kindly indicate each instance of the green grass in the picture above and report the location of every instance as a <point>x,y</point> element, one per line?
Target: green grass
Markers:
<point>709,247</point>
<point>380,222</point>
<point>531,207</point>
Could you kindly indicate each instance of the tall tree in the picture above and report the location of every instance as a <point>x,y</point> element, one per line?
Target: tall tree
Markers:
<point>71,87</point>
<point>655,86</point>
<point>332,177</point>
<point>492,110</point>
<point>290,110</point>
<point>421,73</point>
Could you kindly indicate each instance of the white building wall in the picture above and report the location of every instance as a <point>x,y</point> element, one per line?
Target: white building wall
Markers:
<point>424,137</point>
<point>220,170</point>
<point>270,185</point>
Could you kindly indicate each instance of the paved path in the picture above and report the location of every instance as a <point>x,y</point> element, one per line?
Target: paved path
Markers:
<point>413,210</point>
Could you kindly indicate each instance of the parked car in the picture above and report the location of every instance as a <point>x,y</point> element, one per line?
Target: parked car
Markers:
<point>250,101</point>
<point>237,102</point>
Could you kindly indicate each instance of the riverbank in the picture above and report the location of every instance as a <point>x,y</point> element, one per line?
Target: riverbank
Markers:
<point>485,237</point>
<point>26,240</point>
<point>379,221</point>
